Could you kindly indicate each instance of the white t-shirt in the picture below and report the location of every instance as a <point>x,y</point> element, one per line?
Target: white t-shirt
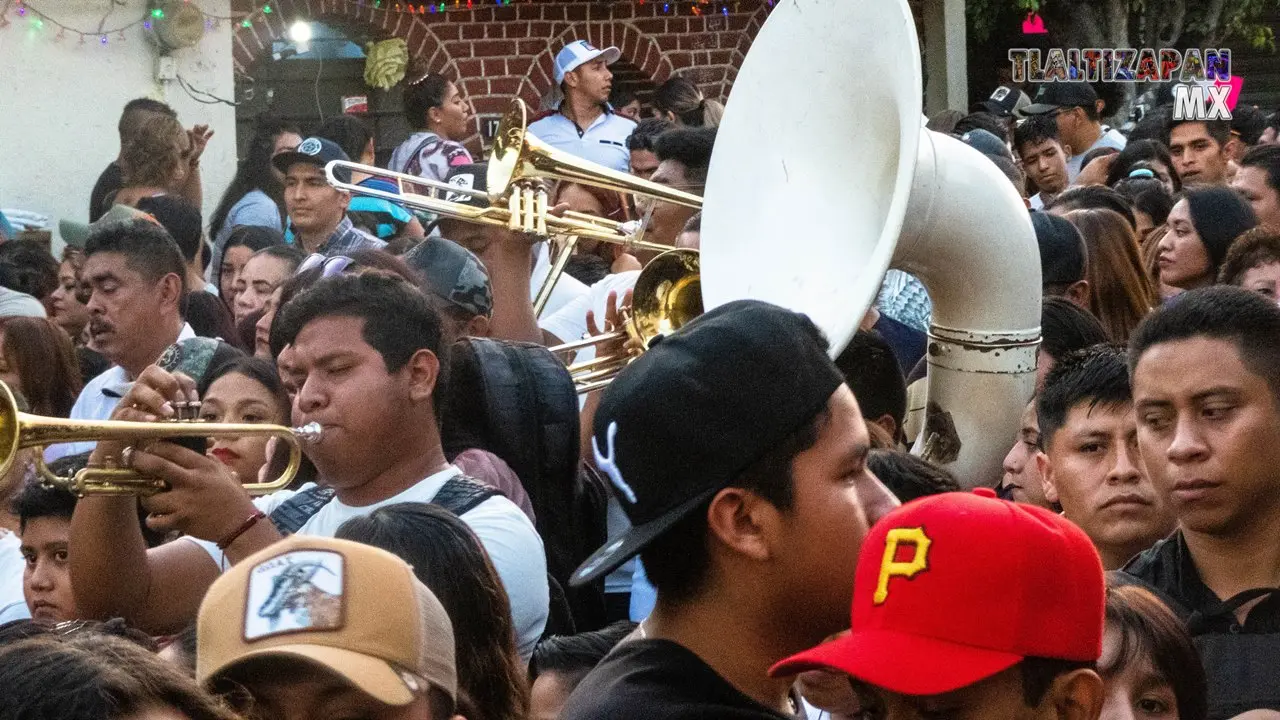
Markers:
<point>566,289</point>
<point>98,400</point>
<point>13,606</point>
<point>569,323</point>
<point>505,532</point>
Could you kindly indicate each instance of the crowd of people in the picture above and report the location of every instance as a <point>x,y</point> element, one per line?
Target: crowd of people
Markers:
<point>733,528</point>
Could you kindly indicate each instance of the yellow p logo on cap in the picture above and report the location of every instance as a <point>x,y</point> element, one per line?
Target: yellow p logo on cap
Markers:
<point>890,567</point>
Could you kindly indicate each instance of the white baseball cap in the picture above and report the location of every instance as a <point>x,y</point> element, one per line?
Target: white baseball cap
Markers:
<point>579,53</point>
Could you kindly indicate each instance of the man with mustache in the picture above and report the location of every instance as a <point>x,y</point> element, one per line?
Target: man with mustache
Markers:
<point>1090,464</point>
<point>585,124</point>
<point>1206,378</point>
<point>137,278</point>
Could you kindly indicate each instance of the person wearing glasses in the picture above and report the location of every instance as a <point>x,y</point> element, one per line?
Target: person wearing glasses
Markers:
<point>1074,106</point>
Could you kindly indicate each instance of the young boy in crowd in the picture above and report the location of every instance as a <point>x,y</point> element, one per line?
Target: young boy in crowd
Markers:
<point>1043,158</point>
<point>44,525</point>
<point>925,641</point>
<point>1090,464</point>
<point>1206,384</point>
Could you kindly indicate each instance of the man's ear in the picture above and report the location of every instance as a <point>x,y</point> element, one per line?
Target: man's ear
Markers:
<point>1046,477</point>
<point>1078,293</point>
<point>1077,695</point>
<point>740,520</point>
<point>478,326</point>
<point>423,369</point>
<point>890,425</point>
<point>171,290</point>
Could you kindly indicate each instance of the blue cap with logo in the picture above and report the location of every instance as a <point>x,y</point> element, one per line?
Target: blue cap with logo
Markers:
<point>316,151</point>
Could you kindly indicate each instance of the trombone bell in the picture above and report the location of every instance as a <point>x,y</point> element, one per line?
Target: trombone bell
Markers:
<point>519,157</point>
<point>667,295</point>
<point>19,431</point>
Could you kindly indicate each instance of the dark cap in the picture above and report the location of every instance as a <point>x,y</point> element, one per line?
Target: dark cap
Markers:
<point>316,151</point>
<point>180,217</point>
<point>453,274</point>
<point>1054,95</point>
<point>469,177</point>
<point>688,416</point>
<point>1063,257</point>
<point>986,143</point>
<point>1005,101</point>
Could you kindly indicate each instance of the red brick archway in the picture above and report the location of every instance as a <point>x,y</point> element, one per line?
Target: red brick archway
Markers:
<point>508,51</point>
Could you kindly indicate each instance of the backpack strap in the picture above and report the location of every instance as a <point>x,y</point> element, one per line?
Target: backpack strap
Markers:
<point>461,494</point>
<point>293,513</point>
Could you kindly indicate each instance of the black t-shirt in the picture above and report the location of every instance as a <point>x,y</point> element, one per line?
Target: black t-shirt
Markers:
<point>109,182</point>
<point>1241,660</point>
<point>659,680</point>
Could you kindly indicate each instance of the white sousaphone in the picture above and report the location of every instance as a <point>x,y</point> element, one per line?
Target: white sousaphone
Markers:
<point>821,155</point>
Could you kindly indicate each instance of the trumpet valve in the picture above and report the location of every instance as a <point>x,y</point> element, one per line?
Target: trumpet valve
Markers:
<point>186,411</point>
<point>540,212</point>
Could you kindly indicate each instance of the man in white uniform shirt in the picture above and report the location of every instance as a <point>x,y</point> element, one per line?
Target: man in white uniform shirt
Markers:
<point>137,277</point>
<point>369,377</point>
<point>585,125</point>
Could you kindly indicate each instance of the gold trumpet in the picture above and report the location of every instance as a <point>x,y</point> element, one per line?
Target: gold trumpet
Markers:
<point>667,295</point>
<point>19,430</point>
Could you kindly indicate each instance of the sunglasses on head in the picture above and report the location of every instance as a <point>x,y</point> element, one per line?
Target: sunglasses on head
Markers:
<point>333,266</point>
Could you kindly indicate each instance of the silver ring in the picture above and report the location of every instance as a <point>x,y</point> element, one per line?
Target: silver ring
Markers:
<point>126,456</point>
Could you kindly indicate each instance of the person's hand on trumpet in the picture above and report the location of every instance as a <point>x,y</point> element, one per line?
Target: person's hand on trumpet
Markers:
<point>616,315</point>
<point>204,498</point>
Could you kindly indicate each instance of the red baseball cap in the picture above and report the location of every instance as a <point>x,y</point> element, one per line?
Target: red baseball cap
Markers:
<point>954,588</point>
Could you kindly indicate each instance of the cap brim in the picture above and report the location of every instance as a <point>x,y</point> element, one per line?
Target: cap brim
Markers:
<point>625,546</point>
<point>900,662</point>
<point>1039,109</point>
<point>994,108</point>
<point>611,55</point>
<point>373,676</point>
<point>74,234</point>
<point>288,159</point>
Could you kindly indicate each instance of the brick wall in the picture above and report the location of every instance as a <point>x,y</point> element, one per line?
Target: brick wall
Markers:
<point>506,51</point>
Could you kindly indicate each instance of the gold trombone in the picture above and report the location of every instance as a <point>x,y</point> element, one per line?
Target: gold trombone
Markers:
<point>667,295</point>
<point>19,430</point>
<point>518,200</point>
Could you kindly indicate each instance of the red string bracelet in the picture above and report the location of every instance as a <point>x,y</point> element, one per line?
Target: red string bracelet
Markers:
<point>249,522</point>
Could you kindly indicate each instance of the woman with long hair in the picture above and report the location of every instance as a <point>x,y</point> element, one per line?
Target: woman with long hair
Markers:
<point>1120,292</point>
<point>441,119</point>
<point>244,390</point>
<point>153,160</point>
<point>448,559</point>
<point>38,360</point>
<point>242,243</point>
<point>256,193</point>
<point>1202,225</point>
<point>68,311</point>
<point>681,102</point>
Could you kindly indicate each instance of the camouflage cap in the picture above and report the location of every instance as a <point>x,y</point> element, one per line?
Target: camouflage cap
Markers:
<point>453,274</point>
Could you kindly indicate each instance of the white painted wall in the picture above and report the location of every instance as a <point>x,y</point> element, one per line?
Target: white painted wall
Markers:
<point>60,100</point>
